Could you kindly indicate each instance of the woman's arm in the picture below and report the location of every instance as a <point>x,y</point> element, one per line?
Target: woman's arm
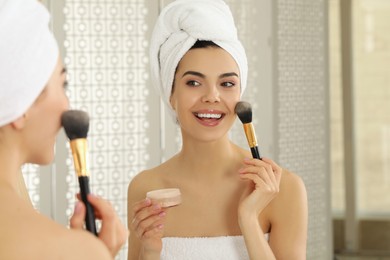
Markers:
<point>282,199</point>
<point>256,244</point>
<point>289,219</point>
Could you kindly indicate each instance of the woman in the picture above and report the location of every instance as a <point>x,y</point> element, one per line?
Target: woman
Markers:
<point>233,207</point>
<point>32,99</point>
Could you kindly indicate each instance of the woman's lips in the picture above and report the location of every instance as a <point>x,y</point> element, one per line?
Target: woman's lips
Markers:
<point>209,118</point>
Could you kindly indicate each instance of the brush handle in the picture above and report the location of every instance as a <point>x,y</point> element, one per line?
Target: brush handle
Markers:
<point>90,215</point>
<point>255,152</point>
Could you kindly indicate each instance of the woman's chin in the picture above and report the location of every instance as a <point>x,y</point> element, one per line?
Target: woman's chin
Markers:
<point>44,159</point>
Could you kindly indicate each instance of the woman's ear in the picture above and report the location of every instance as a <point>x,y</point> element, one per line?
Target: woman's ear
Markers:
<point>20,122</point>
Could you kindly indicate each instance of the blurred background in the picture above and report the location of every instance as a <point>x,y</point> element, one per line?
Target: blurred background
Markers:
<point>359,52</point>
<point>319,84</point>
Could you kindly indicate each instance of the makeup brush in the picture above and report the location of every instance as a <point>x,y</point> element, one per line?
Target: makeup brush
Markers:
<point>76,125</point>
<point>244,112</point>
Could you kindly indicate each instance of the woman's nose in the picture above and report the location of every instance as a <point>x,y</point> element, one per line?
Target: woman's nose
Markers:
<point>211,95</point>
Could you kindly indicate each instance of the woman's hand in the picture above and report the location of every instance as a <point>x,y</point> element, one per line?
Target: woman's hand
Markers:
<point>264,180</point>
<point>113,233</point>
<point>148,225</point>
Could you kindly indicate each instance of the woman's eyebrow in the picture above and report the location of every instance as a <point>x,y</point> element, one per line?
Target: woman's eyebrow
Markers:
<point>229,74</point>
<point>224,75</point>
<point>195,73</point>
<point>63,70</point>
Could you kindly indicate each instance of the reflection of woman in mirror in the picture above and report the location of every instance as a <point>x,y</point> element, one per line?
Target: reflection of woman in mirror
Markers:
<point>233,207</point>
<point>32,100</point>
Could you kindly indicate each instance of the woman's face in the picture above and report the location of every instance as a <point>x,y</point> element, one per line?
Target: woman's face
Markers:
<point>206,90</point>
<point>43,119</point>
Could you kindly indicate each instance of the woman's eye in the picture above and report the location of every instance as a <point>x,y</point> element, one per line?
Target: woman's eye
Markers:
<point>228,84</point>
<point>193,83</point>
<point>65,84</point>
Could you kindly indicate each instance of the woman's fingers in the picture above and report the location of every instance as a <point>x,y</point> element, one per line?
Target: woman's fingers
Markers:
<point>103,207</point>
<point>97,211</point>
<point>259,163</point>
<point>260,171</point>
<point>157,231</point>
<point>259,182</point>
<point>276,168</point>
<point>265,177</point>
<point>141,204</point>
<point>265,170</point>
<point>262,167</point>
<point>148,218</point>
<point>150,223</point>
<point>147,224</point>
<point>77,220</point>
<point>142,213</point>
<point>113,233</point>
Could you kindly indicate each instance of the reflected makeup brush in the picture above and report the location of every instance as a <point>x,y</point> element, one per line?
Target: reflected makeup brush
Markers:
<point>244,112</point>
<point>76,125</point>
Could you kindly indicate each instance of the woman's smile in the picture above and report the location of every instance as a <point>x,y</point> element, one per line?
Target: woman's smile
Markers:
<point>209,117</point>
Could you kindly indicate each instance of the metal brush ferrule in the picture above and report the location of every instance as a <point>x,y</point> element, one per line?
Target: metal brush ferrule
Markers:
<point>250,134</point>
<point>79,153</point>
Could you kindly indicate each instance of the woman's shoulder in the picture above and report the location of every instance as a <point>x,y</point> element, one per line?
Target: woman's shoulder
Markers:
<point>292,193</point>
<point>74,244</point>
<point>154,178</point>
<point>149,177</point>
<point>43,238</point>
<point>290,181</point>
<point>80,244</point>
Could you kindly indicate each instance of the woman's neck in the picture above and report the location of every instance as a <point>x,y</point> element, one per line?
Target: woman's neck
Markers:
<point>11,177</point>
<point>218,157</point>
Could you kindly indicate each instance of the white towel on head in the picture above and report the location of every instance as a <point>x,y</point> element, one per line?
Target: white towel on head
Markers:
<point>28,55</point>
<point>179,25</point>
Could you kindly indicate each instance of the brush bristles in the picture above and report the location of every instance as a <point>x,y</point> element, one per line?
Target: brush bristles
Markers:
<point>75,123</point>
<point>244,112</point>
